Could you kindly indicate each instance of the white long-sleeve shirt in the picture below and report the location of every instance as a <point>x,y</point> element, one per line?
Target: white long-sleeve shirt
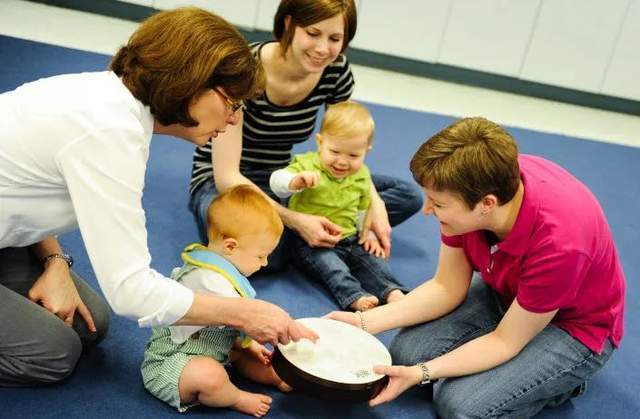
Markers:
<point>73,153</point>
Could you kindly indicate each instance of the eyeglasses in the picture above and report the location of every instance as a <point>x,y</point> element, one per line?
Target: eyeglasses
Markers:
<point>232,105</point>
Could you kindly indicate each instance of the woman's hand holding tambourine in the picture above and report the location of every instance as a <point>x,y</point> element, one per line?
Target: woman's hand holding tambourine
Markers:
<point>400,379</point>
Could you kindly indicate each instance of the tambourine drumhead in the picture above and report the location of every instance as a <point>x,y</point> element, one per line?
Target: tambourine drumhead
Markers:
<point>340,363</point>
<point>343,353</point>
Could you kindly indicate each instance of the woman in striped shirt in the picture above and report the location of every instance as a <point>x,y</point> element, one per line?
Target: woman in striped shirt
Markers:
<point>305,70</point>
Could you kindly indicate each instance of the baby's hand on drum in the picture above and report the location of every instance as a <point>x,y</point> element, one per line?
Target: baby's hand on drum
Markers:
<point>260,352</point>
<point>345,317</point>
<point>400,379</point>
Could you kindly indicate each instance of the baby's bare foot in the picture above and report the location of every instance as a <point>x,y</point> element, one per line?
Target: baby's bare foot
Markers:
<point>365,303</point>
<point>279,383</point>
<point>284,387</point>
<point>395,295</point>
<point>252,403</point>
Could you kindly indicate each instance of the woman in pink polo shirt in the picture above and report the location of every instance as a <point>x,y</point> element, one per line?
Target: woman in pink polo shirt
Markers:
<point>543,311</point>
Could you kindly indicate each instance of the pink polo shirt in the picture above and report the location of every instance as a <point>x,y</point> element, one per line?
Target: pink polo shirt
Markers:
<point>559,255</point>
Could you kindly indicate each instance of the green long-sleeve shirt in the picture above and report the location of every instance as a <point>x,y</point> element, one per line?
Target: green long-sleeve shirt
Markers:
<point>340,200</point>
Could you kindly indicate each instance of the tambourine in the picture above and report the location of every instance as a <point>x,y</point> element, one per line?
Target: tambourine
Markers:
<point>339,366</point>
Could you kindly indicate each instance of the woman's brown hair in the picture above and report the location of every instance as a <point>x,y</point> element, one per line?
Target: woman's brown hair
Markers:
<point>176,55</point>
<point>307,12</point>
<point>473,158</point>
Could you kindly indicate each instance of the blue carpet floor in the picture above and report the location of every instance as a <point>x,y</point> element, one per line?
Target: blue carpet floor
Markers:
<point>107,382</point>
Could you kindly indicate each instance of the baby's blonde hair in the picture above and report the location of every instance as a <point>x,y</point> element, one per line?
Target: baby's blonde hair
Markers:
<point>242,211</point>
<point>346,120</point>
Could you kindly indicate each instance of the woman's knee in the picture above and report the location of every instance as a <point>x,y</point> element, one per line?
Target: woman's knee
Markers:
<point>100,314</point>
<point>54,359</point>
<point>411,346</point>
<point>453,400</point>
<point>64,351</point>
<point>102,319</point>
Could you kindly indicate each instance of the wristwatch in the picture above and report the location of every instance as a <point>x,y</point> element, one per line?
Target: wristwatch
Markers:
<point>426,376</point>
<point>63,256</point>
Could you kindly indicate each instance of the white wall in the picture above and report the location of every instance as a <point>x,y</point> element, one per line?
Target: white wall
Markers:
<point>489,35</point>
<point>265,13</point>
<point>148,3</point>
<point>396,30</point>
<point>240,12</point>
<point>623,74</point>
<point>588,45</point>
<point>573,42</point>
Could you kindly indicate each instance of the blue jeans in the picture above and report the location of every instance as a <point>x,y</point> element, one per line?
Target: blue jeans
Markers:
<point>553,367</point>
<point>347,270</point>
<point>402,199</point>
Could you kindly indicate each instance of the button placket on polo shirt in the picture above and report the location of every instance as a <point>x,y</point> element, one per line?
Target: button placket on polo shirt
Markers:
<point>492,250</point>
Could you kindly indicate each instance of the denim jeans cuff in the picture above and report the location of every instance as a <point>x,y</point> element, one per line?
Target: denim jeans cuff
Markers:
<point>386,292</point>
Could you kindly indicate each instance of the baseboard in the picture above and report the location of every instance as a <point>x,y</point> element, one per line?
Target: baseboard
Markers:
<point>111,8</point>
<point>443,72</point>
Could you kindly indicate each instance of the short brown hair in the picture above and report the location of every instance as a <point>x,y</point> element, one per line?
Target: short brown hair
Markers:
<point>307,12</point>
<point>175,55</point>
<point>472,157</point>
<point>242,211</point>
<point>346,120</point>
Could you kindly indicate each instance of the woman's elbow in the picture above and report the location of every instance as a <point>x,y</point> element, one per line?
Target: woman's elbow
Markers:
<point>124,306</point>
<point>125,310</point>
<point>225,180</point>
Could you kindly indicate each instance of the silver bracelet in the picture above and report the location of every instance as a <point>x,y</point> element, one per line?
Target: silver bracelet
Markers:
<point>363,325</point>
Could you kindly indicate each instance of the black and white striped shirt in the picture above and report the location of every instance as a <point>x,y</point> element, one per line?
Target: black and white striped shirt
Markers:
<point>270,131</point>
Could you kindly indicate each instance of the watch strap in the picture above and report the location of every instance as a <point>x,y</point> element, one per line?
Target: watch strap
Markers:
<point>426,375</point>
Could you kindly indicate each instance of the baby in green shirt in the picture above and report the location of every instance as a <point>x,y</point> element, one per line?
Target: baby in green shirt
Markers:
<point>334,182</point>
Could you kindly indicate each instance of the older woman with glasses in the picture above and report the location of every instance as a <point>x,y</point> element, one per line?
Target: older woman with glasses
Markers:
<point>73,154</point>
<point>233,106</point>
<point>305,70</point>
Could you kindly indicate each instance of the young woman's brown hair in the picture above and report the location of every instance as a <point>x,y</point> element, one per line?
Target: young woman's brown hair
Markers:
<point>472,157</point>
<point>307,12</point>
<point>175,55</point>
